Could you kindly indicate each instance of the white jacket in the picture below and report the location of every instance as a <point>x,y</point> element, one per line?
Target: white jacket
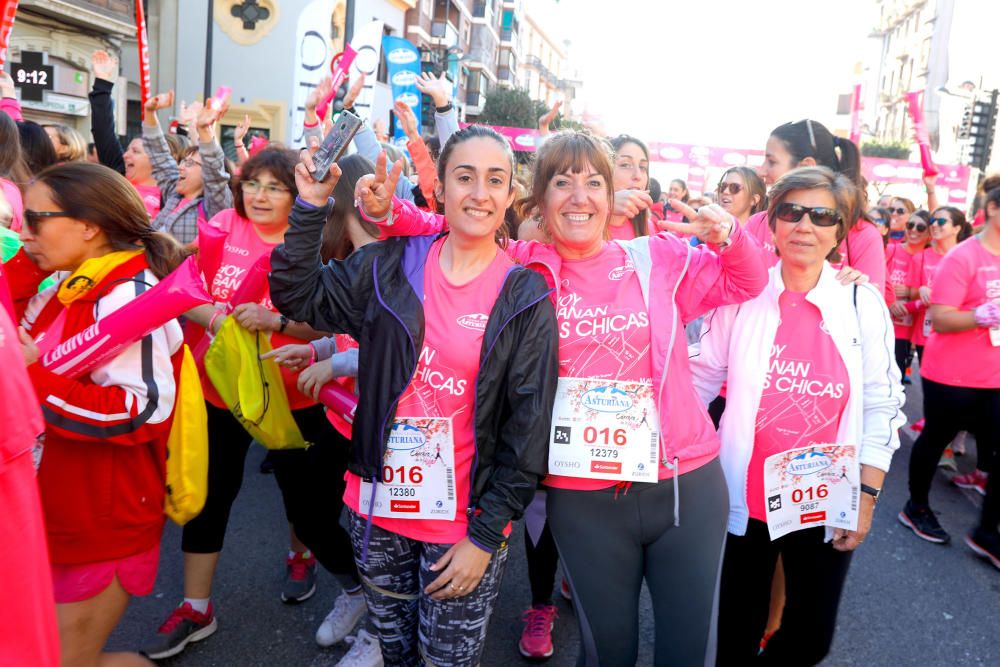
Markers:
<point>735,347</point>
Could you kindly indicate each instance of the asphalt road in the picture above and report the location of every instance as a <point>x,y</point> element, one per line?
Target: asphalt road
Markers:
<point>907,602</point>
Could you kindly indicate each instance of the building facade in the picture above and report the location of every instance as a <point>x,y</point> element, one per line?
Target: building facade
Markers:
<point>545,69</point>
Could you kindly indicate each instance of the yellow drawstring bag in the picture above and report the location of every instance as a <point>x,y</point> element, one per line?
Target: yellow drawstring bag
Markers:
<point>187,447</point>
<point>252,387</point>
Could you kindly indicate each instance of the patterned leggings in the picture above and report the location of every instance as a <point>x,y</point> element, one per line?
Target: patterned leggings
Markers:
<point>414,629</point>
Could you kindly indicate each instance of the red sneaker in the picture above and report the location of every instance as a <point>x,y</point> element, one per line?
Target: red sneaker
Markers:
<point>975,480</point>
<point>536,639</point>
<point>183,626</point>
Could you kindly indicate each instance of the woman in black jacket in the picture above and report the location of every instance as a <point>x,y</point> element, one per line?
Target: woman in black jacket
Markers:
<point>457,375</point>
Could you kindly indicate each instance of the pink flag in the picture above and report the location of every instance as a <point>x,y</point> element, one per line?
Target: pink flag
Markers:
<point>143,38</point>
<point>8,8</point>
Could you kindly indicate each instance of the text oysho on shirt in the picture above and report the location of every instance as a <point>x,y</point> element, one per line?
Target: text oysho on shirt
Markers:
<point>805,391</point>
<point>444,383</point>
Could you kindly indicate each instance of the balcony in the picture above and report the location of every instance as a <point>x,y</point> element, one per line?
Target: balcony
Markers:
<point>444,33</point>
<point>483,9</point>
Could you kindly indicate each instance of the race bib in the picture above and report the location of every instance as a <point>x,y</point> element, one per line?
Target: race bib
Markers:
<point>418,472</point>
<point>927,324</point>
<point>603,429</point>
<point>812,486</point>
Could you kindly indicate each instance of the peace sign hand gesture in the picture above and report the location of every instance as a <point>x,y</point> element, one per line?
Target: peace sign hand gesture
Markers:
<point>711,224</point>
<point>373,192</point>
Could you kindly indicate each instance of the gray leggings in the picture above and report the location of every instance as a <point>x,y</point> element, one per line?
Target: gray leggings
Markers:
<point>610,541</point>
<point>412,626</point>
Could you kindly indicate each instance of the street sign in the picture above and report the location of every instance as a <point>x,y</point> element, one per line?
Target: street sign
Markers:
<point>32,75</point>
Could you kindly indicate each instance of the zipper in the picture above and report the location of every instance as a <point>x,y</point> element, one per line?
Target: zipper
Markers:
<point>470,510</point>
<point>664,460</point>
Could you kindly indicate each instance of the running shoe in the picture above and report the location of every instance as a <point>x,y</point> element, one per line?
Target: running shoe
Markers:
<point>947,460</point>
<point>565,590</point>
<point>986,544</point>
<point>347,611</point>
<point>365,651</point>
<point>921,520</point>
<point>975,480</point>
<point>536,639</point>
<point>183,626</point>
<point>300,579</point>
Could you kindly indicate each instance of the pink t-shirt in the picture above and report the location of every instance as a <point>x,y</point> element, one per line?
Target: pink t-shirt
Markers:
<point>624,232</point>
<point>13,196</point>
<point>444,384</point>
<point>150,198</point>
<point>897,271</point>
<point>241,250</point>
<point>603,331</point>
<point>967,277</point>
<point>922,271</point>
<point>804,395</point>
<point>863,246</point>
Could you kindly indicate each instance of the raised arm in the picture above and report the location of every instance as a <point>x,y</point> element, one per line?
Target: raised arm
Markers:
<point>217,196</point>
<point>164,166</point>
<point>394,216</point>
<point>418,150</point>
<point>102,111</point>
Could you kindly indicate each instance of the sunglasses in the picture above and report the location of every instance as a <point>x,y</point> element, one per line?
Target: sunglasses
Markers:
<point>35,218</point>
<point>733,188</point>
<point>880,221</point>
<point>940,221</point>
<point>919,226</point>
<point>898,211</point>
<point>821,216</point>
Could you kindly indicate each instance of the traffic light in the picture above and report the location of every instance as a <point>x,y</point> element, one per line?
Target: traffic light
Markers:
<point>981,130</point>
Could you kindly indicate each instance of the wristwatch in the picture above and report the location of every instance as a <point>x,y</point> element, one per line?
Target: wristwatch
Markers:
<point>284,323</point>
<point>871,491</point>
<point>445,109</point>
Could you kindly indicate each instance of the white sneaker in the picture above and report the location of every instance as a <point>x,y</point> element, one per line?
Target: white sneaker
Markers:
<point>365,651</point>
<point>347,611</point>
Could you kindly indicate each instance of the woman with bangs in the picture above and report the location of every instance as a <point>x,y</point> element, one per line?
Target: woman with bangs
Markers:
<point>807,362</point>
<point>628,430</point>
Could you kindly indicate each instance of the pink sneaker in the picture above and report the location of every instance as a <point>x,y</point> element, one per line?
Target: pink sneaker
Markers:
<point>536,639</point>
<point>975,480</point>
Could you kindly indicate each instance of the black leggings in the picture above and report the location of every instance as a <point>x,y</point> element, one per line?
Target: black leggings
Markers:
<point>311,482</point>
<point>542,562</point>
<point>904,355</point>
<point>610,542</point>
<point>948,410</point>
<point>814,580</point>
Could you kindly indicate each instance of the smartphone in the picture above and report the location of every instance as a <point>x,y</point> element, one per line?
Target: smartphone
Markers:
<point>335,143</point>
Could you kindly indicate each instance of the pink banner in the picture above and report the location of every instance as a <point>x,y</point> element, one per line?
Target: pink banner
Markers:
<point>143,38</point>
<point>520,138</point>
<point>8,8</point>
<point>856,115</point>
<point>173,296</point>
<point>920,132</point>
<point>954,177</point>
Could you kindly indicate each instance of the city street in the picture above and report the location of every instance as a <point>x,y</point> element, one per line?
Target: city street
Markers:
<point>907,601</point>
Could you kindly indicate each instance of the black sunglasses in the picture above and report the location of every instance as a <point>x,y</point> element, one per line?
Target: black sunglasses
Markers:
<point>734,188</point>
<point>898,211</point>
<point>879,221</point>
<point>919,226</point>
<point>821,216</point>
<point>940,221</point>
<point>35,218</point>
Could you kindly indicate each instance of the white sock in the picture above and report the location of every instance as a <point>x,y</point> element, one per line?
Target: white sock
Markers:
<point>200,605</point>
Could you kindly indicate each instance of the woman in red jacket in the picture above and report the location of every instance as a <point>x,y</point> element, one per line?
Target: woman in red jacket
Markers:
<point>102,472</point>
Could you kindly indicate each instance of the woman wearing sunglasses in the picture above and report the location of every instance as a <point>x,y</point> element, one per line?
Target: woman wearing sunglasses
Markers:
<point>961,380</point>
<point>880,216</point>
<point>311,480</point>
<point>900,210</point>
<point>807,362</point>
<point>197,188</point>
<point>101,472</point>
<point>899,258</point>
<point>808,143</point>
<point>742,192</point>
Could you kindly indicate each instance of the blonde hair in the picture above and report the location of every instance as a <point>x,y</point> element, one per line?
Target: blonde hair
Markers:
<point>76,145</point>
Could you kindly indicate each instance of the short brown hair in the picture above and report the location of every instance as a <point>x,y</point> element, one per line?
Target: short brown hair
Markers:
<point>845,196</point>
<point>568,151</point>
<point>279,162</point>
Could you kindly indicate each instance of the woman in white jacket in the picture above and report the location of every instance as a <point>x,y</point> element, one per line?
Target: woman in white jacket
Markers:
<point>807,362</point>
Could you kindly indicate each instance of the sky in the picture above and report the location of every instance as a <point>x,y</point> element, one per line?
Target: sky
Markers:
<point>721,72</point>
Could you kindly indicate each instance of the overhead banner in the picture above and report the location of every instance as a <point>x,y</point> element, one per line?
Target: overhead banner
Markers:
<point>312,59</point>
<point>368,43</point>
<point>8,8</point>
<point>143,39</point>
<point>403,62</point>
